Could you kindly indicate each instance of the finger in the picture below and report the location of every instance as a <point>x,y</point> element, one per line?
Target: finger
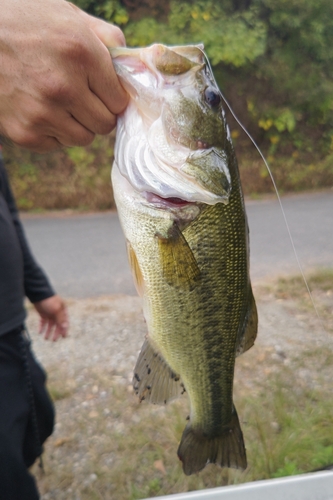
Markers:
<point>42,323</point>
<point>76,133</point>
<point>48,332</point>
<point>32,128</point>
<point>62,322</point>
<point>103,79</point>
<point>74,114</point>
<point>94,116</point>
<point>109,35</point>
<point>29,138</point>
<point>106,85</point>
<point>56,334</point>
<point>70,110</point>
<point>61,331</point>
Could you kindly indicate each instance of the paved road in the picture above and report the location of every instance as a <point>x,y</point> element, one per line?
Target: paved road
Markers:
<point>85,255</point>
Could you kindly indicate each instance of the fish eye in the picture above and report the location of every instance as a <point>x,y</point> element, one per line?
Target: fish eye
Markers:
<point>212,97</point>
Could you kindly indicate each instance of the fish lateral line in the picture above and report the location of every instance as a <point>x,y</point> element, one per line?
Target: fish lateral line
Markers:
<point>291,239</point>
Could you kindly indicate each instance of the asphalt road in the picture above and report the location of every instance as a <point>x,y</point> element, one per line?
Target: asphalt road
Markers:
<point>85,255</point>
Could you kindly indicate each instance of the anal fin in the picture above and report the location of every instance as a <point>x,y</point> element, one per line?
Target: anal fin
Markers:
<point>153,379</point>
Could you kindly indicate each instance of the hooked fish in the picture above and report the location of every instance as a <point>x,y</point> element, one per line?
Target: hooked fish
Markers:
<point>179,198</point>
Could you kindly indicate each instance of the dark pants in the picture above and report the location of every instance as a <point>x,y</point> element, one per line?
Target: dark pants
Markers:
<point>26,416</point>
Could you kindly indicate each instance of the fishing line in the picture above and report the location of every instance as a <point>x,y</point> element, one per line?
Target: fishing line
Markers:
<point>275,188</point>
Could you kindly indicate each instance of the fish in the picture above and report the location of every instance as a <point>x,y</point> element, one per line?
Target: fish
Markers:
<point>179,198</point>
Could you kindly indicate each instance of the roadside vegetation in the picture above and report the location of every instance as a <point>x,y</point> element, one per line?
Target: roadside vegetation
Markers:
<point>273,62</point>
<point>109,446</point>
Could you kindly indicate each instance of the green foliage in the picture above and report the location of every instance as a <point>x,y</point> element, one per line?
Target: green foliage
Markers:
<point>112,10</point>
<point>234,39</point>
<point>75,177</point>
<point>300,54</point>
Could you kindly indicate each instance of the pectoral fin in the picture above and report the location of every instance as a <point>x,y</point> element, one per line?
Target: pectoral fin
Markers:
<point>153,379</point>
<point>250,329</point>
<point>179,266</point>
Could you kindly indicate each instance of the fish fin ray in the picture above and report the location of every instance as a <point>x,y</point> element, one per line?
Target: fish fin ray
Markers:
<point>227,450</point>
<point>249,334</point>
<point>179,266</point>
<point>136,271</point>
<point>153,379</point>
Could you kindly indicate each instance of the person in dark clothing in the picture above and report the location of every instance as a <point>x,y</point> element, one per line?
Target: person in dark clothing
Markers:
<point>26,410</point>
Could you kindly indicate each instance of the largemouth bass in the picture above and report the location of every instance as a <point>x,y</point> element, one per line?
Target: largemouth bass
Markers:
<point>177,189</point>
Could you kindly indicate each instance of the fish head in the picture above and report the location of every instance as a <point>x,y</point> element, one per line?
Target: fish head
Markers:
<point>172,138</point>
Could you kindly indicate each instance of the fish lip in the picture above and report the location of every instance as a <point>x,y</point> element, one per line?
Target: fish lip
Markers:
<point>171,202</point>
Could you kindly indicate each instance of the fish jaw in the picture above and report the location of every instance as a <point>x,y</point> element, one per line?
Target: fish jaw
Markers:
<point>168,142</point>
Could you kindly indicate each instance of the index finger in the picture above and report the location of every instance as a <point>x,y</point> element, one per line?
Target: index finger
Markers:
<point>105,84</point>
<point>103,81</point>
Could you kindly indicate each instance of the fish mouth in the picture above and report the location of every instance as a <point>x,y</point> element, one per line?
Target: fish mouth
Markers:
<point>172,202</point>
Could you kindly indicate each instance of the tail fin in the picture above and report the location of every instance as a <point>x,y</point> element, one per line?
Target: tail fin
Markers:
<point>227,450</point>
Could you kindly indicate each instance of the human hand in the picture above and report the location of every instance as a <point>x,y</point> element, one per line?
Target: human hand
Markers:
<point>58,86</point>
<point>53,317</point>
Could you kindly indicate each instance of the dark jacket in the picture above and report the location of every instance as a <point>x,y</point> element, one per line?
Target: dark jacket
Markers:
<point>20,275</point>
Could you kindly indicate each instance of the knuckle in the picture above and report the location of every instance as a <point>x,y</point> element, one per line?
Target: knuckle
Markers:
<point>38,118</point>
<point>74,48</point>
<point>57,89</point>
<point>106,126</point>
<point>29,140</point>
<point>25,139</point>
<point>84,139</point>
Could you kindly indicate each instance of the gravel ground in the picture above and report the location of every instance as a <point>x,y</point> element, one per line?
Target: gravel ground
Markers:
<point>105,337</point>
<point>108,332</point>
<point>105,331</point>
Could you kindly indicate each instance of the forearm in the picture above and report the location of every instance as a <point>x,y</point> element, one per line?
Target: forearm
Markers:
<point>36,284</point>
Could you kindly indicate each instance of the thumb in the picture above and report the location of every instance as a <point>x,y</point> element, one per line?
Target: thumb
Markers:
<point>109,35</point>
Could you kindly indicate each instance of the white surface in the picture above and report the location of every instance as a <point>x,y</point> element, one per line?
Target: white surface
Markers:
<point>316,486</point>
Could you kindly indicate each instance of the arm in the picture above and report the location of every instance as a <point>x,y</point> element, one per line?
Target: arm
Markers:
<point>51,308</point>
<point>57,82</point>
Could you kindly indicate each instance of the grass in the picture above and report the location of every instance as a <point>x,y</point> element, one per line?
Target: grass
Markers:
<point>109,446</point>
<point>293,288</point>
<point>131,448</point>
